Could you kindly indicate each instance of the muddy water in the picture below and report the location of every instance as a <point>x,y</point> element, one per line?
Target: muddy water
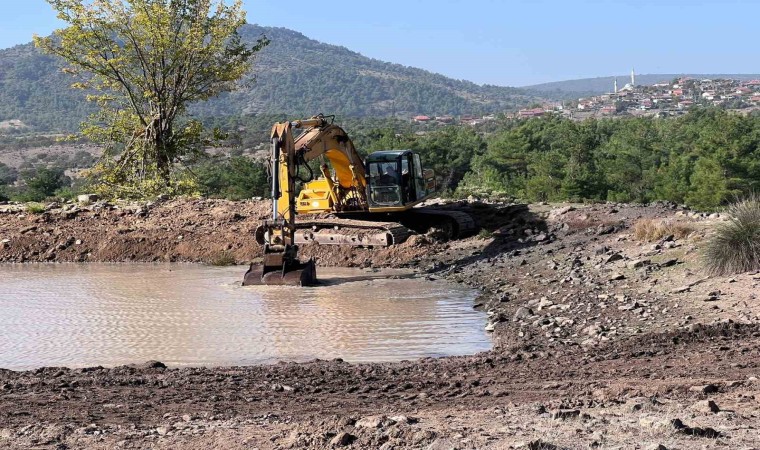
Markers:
<point>100,314</point>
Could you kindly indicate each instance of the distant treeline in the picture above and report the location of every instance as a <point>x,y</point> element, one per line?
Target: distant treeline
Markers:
<point>704,159</point>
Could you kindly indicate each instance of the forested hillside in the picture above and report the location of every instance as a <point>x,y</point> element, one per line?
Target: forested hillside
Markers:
<point>294,75</point>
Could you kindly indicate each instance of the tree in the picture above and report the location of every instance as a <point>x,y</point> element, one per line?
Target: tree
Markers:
<point>236,178</point>
<point>7,174</point>
<point>143,62</point>
<point>709,187</point>
<point>43,183</point>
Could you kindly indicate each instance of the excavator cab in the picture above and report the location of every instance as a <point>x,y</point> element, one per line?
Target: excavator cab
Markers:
<point>396,179</point>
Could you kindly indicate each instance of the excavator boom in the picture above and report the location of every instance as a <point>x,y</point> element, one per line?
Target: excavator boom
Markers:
<point>280,265</point>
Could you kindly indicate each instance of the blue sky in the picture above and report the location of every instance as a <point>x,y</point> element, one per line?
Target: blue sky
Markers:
<point>503,42</point>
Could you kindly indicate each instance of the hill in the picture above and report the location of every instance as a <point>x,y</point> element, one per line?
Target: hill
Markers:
<point>293,75</point>
<point>600,85</point>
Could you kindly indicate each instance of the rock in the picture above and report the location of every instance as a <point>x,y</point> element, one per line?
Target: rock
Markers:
<point>86,199</point>
<point>657,447</point>
<point>613,257</point>
<point>653,422</point>
<point>544,303</point>
<point>491,327</point>
<point>706,432</point>
<point>638,263</point>
<point>402,420</point>
<point>371,422</point>
<point>342,439</point>
<point>564,414</point>
<point>695,327</point>
<point>705,389</point>
<point>629,307</point>
<point>423,436</point>
<point>150,365</point>
<point>616,276</point>
<point>522,313</point>
<point>669,263</point>
<point>162,430</point>
<point>681,289</point>
<point>706,406</point>
<point>561,211</point>
<point>602,230</point>
<point>592,330</point>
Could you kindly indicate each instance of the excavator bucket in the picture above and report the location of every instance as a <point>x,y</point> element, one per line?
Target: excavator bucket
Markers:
<point>277,270</point>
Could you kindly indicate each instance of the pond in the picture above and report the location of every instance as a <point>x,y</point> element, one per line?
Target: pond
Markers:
<point>79,315</point>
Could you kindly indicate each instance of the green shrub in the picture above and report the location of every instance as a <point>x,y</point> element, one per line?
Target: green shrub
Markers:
<point>485,234</point>
<point>41,184</point>
<point>67,193</point>
<point>35,208</point>
<point>735,245</point>
<point>223,258</point>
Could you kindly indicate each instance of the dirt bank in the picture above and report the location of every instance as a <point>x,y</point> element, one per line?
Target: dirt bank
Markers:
<point>173,231</point>
<point>604,340</point>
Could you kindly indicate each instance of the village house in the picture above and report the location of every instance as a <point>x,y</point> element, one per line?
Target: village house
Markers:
<point>527,113</point>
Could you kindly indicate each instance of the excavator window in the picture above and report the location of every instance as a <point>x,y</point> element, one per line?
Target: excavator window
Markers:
<point>385,183</point>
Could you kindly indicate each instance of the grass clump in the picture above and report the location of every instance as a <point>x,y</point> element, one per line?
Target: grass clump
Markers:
<point>485,234</point>
<point>735,245</point>
<point>222,259</point>
<point>650,230</point>
<point>35,208</point>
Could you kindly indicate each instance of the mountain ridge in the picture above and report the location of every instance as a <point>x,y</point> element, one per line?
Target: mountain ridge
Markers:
<point>293,75</point>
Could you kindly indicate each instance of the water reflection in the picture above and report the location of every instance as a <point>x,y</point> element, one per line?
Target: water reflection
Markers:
<point>100,314</point>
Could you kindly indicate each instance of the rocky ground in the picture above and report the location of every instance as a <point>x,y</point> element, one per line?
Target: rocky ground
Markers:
<point>608,335</point>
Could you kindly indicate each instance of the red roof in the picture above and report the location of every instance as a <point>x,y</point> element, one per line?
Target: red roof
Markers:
<point>421,118</point>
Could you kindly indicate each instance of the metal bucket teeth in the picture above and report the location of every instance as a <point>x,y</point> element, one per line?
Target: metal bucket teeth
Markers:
<point>301,274</point>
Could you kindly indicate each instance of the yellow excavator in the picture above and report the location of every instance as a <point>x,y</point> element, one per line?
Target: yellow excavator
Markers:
<point>369,203</point>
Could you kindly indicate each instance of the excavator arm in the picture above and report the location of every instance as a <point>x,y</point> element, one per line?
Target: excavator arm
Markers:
<point>320,138</point>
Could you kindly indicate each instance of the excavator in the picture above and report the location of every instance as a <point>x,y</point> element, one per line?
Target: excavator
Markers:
<point>372,202</point>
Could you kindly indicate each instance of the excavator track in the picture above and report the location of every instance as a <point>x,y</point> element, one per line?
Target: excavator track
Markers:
<point>459,223</point>
<point>351,232</point>
<point>336,230</point>
<point>369,233</point>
